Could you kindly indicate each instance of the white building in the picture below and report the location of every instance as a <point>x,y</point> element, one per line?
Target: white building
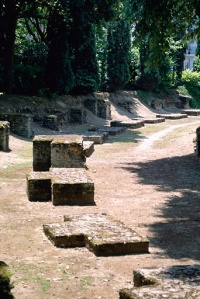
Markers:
<point>189,55</point>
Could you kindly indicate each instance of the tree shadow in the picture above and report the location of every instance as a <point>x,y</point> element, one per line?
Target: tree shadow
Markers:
<point>178,231</point>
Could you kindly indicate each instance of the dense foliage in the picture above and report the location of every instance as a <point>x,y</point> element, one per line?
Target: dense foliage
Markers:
<point>68,46</point>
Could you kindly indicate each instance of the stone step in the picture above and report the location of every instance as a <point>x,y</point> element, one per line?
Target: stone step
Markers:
<point>176,282</point>
<point>100,233</point>
<point>95,136</point>
<point>173,116</point>
<point>134,124</point>
<point>64,186</point>
<point>192,112</point>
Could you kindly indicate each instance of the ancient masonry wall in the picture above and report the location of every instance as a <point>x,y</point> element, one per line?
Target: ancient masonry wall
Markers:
<point>20,124</point>
<point>4,135</point>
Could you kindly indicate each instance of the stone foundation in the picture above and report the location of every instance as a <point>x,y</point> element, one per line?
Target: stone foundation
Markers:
<point>99,107</point>
<point>77,116</point>
<point>64,186</point>
<point>100,233</point>
<point>176,282</point>
<point>96,137</point>
<point>20,124</point>
<point>71,186</point>
<point>192,112</point>
<point>51,122</point>
<point>58,151</point>
<point>172,116</point>
<point>4,136</point>
<point>134,124</point>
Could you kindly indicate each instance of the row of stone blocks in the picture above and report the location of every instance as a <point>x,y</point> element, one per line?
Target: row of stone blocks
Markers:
<point>62,186</point>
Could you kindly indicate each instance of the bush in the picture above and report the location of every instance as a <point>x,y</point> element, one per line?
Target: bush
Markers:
<point>191,81</point>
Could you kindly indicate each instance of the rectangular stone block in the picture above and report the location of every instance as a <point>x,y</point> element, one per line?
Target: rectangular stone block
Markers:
<point>67,151</point>
<point>42,152</point>
<point>39,186</point>
<point>4,135</point>
<point>88,148</point>
<point>96,137</point>
<point>71,186</point>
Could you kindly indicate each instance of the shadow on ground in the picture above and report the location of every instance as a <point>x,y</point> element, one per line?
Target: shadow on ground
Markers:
<point>177,233</point>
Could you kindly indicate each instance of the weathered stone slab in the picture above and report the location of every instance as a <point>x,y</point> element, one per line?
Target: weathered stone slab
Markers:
<point>112,130</point>
<point>39,186</point>
<point>71,186</point>
<point>134,124</point>
<point>67,151</point>
<point>153,120</point>
<point>176,282</point>
<point>96,137</point>
<point>192,112</point>
<point>100,233</point>
<point>88,148</point>
<point>173,116</point>
<point>4,135</point>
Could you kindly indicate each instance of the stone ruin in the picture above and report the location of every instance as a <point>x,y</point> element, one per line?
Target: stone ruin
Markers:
<point>197,142</point>
<point>20,124</point>
<point>59,171</point>
<point>176,282</point>
<point>4,136</point>
<point>100,233</point>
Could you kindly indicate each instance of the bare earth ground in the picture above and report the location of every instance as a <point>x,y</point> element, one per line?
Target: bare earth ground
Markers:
<point>148,178</point>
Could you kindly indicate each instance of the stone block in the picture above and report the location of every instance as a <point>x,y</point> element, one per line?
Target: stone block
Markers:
<point>39,186</point>
<point>42,152</point>
<point>71,186</point>
<point>96,137</point>
<point>88,148</point>
<point>175,282</point>
<point>67,151</point>
<point>4,135</point>
<point>51,122</point>
<point>20,124</point>
<point>77,116</point>
<point>191,112</point>
<point>112,130</point>
<point>134,124</point>
<point>172,116</point>
<point>100,233</point>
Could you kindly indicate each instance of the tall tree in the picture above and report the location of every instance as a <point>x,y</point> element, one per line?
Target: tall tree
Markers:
<point>118,55</point>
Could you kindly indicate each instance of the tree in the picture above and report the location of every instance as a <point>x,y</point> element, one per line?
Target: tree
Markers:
<point>118,55</point>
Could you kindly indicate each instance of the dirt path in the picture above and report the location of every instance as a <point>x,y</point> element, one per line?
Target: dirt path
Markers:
<point>147,178</point>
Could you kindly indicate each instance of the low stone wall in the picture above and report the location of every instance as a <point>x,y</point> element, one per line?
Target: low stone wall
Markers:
<point>20,124</point>
<point>4,135</point>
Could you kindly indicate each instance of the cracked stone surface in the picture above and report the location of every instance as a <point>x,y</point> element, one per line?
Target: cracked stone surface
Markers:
<point>176,282</point>
<point>100,233</point>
